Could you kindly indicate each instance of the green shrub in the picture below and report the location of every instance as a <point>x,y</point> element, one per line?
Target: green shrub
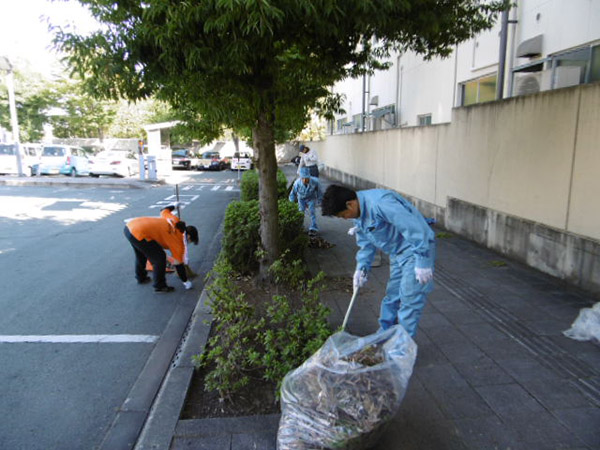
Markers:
<point>241,235</point>
<point>249,185</point>
<point>268,338</point>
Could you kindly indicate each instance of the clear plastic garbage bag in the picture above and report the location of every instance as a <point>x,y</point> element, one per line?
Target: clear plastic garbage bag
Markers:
<point>345,394</point>
<point>587,325</point>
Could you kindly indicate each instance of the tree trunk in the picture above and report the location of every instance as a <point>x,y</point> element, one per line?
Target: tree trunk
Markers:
<point>264,144</point>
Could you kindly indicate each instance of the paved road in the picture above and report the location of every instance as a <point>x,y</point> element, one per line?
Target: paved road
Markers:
<point>83,348</point>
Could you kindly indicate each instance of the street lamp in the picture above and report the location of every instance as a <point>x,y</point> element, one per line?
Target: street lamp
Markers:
<point>6,66</point>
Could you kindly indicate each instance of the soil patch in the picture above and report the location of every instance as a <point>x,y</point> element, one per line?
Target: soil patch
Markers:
<point>259,397</point>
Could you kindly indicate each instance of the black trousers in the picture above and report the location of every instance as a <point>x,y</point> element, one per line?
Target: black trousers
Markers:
<point>314,171</point>
<point>148,250</point>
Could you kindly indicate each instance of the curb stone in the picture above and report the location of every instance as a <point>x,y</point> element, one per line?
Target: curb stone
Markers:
<point>165,412</point>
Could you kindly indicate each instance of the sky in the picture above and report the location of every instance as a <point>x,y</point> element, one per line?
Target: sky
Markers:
<point>24,29</point>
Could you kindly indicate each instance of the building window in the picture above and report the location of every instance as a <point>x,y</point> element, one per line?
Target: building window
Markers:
<point>595,65</point>
<point>581,66</point>
<point>565,69</point>
<point>424,119</point>
<point>479,91</point>
<point>340,125</point>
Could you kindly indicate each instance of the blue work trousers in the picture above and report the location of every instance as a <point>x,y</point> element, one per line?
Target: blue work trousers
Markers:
<point>310,204</point>
<point>404,297</point>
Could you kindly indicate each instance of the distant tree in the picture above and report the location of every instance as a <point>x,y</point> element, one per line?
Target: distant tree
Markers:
<point>83,116</point>
<point>258,66</point>
<point>32,99</point>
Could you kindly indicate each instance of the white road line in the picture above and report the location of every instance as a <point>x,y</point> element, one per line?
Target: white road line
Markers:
<point>229,188</point>
<point>216,188</point>
<point>79,339</point>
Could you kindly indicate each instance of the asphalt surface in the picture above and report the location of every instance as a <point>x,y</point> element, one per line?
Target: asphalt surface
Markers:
<point>493,368</point>
<point>68,289</point>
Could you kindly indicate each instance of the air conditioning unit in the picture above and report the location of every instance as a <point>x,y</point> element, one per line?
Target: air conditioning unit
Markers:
<point>566,76</point>
<point>532,82</point>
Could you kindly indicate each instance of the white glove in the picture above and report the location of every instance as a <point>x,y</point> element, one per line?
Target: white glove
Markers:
<point>352,231</point>
<point>187,284</point>
<point>359,279</point>
<point>423,275</point>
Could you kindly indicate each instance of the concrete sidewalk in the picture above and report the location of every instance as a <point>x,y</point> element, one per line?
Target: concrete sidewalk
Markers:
<point>493,369</point>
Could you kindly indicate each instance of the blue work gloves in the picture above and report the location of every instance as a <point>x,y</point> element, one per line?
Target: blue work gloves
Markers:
<point>359,279</point>
<point>424,275</point>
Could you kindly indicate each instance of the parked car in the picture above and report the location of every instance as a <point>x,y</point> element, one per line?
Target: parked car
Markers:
<point>211,161</point>
<point>119,163</point>
<point>30,154</point>
<point>62,159</point>
<point>184,158</point>
<point>241,161</point>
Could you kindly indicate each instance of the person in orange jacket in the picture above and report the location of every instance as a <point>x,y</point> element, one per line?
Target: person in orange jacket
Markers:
<point>150,236</point>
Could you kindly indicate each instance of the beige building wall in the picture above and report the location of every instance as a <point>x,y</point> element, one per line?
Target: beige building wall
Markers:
<point>520,176</point>
<point>535,157</point>
<point>584,209</point>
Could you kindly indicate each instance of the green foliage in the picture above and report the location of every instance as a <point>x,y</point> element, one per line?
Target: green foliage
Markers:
<point>249,186</point>
<point>293,332</point>
<point>250,182</point>
<point>232,347</point>
<point>229,62</point>
<point>266,340</point>
<point>241,237</point>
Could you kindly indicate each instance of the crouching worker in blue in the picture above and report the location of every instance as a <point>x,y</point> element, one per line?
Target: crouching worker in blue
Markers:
<point>307,190</point>
<point>385,220</point>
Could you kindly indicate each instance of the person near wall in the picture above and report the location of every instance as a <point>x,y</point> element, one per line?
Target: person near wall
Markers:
<point>384,220</point>
<point>309,158</point>
<point>308,192</point>
<point>150,237</point>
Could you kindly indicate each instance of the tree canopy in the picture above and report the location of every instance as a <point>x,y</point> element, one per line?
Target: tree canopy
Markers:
<point>259,66</point>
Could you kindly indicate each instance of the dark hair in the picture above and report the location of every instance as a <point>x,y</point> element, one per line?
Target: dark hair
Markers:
<point>192,232</point>
<point>335,198</point>
<point>180,226</point>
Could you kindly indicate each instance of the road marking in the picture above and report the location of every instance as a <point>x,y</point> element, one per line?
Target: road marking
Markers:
<point>216,188</point>
<point>79,339</point>
<point>229,188</point>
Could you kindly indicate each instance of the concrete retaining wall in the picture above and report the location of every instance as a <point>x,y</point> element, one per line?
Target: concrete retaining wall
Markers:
<point>518,175</point>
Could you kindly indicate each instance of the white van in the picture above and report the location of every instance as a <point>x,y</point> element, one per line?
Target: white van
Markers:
<point>30,154</point>
<point>63,159</point>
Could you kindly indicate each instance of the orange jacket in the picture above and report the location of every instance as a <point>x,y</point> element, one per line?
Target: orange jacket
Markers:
<point>168,214</point>
<point>160,230</point>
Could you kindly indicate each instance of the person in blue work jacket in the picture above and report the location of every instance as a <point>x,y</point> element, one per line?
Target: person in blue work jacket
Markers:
<point>384,220</point>
<point>307,190</point>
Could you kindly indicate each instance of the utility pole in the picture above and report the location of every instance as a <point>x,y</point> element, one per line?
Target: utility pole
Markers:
<point>6,66</point>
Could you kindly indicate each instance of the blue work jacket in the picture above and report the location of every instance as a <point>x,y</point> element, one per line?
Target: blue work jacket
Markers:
<point>389,222</point>
<point>310,191</point>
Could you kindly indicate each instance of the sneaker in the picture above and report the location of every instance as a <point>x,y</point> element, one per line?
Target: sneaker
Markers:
<point>144,280</point>
<point>312,232</point>
<point>164,289</point>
